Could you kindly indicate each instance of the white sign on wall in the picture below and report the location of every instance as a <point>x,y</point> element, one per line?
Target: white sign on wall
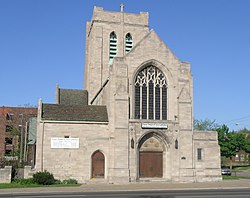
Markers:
<point>64,142</point>
<point>154,125</point>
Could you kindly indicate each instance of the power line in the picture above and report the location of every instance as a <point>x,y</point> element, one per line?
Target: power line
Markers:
<point>242,119</point>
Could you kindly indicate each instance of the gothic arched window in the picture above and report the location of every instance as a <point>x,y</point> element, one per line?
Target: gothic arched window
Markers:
<point>128,42</point>
<point>112,46</point>
<point>150,99</point>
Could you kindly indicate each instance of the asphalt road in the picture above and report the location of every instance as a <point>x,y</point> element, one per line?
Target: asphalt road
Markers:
<point>207,193</point>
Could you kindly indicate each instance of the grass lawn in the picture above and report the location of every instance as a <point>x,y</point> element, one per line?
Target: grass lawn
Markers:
<point>234,177</point>
<point>242,168</point>
<point>17,185</point>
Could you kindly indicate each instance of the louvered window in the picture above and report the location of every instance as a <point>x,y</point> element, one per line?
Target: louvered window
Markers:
<point>150,94</point>
<point>112,46</point>
<point>128,42</point>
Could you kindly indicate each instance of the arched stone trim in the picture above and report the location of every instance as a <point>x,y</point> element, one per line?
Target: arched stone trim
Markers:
<point>160,136</point>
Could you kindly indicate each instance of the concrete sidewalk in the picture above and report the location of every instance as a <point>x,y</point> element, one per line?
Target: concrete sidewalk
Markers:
<point>225,184</point>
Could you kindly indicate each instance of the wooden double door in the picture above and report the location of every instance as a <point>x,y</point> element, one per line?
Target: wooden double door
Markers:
<point>150,164</point>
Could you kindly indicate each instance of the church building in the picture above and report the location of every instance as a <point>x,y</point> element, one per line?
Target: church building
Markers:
<point>134,119</point>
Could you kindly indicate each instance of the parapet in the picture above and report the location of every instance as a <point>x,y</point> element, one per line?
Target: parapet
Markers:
<point>101,15</point>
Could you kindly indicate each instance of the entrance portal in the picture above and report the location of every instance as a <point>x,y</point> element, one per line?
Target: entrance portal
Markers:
<point>150,157</point>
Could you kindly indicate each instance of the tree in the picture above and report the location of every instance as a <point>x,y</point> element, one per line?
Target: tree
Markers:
<point>246,134</point>
<point>231,142</point>
<point>205,125</point>
<point>226,141</point>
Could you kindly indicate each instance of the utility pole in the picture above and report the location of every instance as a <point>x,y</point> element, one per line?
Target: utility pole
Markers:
<point>21,137</point>
<point>25,142</point>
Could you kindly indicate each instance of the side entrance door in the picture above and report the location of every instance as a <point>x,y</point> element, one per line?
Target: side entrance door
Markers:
<point>150,164</point>
<point>98,162</point>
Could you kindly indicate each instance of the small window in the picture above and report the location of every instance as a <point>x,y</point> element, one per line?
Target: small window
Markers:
<point>8,128</point>
<point>128,43</point>
<point>8,152</point>
<point>176,144</point>
<point>242,157</point>
<point>199,154</point>
<point>8,141</point>
<point>9,116</point>
<point>112,46</point>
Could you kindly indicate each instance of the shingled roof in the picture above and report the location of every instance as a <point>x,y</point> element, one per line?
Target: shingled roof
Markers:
<point>73,97</point>
<point>61,112</point>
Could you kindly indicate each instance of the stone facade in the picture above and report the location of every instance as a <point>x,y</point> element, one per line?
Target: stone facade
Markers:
<point>148,95</point>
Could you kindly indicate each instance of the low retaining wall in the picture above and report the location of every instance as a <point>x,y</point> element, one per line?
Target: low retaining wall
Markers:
<point>28,172</point>
<point>5,174</point>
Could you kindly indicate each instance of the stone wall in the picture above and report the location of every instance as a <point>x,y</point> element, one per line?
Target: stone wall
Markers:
<point>28,172</point>
<point>5,174</point>
<point>207,168</point>
<point>73,163</point>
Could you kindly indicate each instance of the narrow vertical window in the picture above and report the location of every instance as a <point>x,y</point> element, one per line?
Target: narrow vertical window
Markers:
<point>151,100</point>
<point>137,101</point>
<point>164,102</point>
<point>176,144</point>
<point>112,46</point>
<point>157,103</point>
<point>199,154</point>
<point>128,43</point>
<point>150,94</point>
<point>144,102</point>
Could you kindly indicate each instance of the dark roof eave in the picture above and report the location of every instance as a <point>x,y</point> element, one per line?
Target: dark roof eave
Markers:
<point>75,121</point>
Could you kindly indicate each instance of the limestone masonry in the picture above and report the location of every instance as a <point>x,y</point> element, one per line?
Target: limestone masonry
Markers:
<point>134,120</point>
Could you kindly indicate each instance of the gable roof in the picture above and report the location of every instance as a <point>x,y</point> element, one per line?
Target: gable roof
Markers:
<point>61,112</point>
<point>152,35</point>
<point>73,97</point>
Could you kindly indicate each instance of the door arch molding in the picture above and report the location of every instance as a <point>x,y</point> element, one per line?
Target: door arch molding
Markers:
<point>161,137</point>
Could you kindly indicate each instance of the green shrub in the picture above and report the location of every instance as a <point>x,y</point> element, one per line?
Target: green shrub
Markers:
<point>69,181</point>
<point>57,181</point>
<point>44,178</point>
<point>23,181</point>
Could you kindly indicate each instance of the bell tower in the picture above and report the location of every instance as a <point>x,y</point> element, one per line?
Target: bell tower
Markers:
<point>109,35</point>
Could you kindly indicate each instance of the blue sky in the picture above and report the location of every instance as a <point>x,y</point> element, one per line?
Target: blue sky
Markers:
<point>42,43</point>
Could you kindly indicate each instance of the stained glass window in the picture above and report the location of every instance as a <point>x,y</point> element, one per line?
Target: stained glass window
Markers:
<point>150,94</point>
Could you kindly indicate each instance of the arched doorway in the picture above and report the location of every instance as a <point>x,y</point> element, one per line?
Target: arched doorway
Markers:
<point>98,165</point>
<point>150,157</point>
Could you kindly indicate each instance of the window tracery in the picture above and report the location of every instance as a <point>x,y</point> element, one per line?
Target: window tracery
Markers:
<point>150,94</point>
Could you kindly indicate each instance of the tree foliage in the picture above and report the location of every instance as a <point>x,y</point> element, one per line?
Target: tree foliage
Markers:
<point>226,141</point>
<point>246,134</point>
<point>231,142</point>
<point>205,125</point>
